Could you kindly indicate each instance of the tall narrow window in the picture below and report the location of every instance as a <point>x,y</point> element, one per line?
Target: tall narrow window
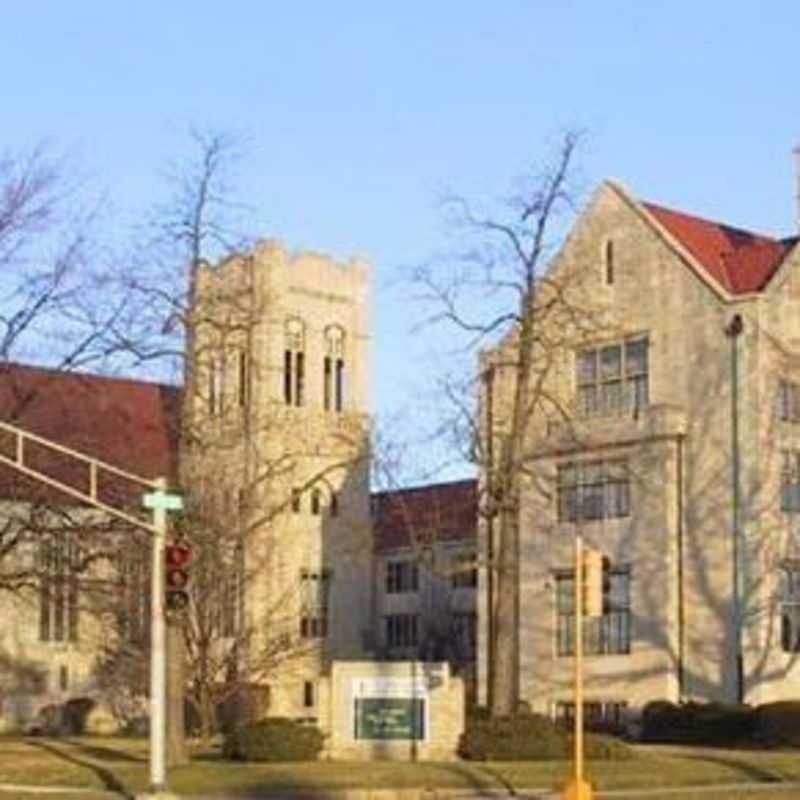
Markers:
<point>339,384</point>
<point>216,387</point>
<point>314,589</point>
<point>294,363</point>
<point>334,504</point>
<point>608,262</point>
<point>299,378</point>
<point>327,384</point>
<point>58,589</point>
<point>134,609</point>
<point>315,501</point>
<point>308,694</point>
<point>333,369</point>
<point>296,496</point>
<point>244,379</point>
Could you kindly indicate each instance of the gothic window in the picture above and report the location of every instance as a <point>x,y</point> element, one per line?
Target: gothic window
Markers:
<point>333,369</point>
<point>59,563</point>
<point>314,596</point>
<point>294,363</point>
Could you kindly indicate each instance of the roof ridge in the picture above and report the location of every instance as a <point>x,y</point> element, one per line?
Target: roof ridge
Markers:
<point>424,486</point>
<point>7,366</point>
<point>709,221</point>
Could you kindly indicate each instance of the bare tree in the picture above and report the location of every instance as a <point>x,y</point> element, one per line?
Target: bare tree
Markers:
<point>57,308</point>
<point>199,311</point>
<point>503,261</point>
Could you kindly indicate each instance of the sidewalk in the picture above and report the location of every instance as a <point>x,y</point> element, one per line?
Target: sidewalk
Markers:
<point>780,789</point>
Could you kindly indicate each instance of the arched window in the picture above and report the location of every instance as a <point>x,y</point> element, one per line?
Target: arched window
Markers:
<point>333,369</point>
<point>294,362</point>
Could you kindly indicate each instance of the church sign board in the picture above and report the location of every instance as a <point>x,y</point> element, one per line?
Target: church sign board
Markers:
<point>390,709</point>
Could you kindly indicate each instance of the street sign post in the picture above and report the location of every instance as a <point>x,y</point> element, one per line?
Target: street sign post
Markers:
<point>159,502</point>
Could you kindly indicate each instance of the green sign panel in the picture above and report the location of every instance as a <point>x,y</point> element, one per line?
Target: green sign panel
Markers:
<point>386,718</point>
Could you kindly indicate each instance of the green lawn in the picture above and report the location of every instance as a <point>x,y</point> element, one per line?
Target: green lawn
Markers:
<point>121,765</point>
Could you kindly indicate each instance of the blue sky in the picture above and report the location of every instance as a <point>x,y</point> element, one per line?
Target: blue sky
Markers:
<point>360,115</point>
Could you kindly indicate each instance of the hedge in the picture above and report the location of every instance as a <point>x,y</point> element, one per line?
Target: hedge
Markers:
<point>530,737</point>
<point>273,739</point>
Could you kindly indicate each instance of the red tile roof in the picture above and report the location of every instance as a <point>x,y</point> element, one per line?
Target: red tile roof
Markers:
<point>425,514</point>
<point>129,424</point>
<point>739,260</point>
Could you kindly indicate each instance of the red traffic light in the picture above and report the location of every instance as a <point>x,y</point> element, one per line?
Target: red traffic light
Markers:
<point>178,555</point>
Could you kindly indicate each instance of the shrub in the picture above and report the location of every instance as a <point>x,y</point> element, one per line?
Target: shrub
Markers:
<point>777,724</point>
<point>528,737</point>
<point>273,739</point>
<point>710,724</point>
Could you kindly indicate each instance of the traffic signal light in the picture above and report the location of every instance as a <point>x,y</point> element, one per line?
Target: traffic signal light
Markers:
<point>178,557</point>
<point>595,566</point>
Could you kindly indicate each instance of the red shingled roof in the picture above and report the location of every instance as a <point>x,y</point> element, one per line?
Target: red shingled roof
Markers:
<point>424,514</point>
<point>129,424</point>
<point>739,260</point>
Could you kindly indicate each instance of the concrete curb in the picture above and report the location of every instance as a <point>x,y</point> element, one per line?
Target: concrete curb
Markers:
<point>22,789</point>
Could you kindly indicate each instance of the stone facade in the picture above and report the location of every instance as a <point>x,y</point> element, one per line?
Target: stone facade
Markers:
<point>651,468</point>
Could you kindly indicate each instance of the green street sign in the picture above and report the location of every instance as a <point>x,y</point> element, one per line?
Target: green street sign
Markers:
<point>162,501</point>
<point>386,718</point>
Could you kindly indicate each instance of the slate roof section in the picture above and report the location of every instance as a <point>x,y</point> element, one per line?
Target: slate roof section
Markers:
<point>441,512</point>
<point>739,260</point>
<point>130,424</point>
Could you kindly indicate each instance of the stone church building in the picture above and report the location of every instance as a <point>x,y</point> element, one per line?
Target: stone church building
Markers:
<point>672,445</point>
